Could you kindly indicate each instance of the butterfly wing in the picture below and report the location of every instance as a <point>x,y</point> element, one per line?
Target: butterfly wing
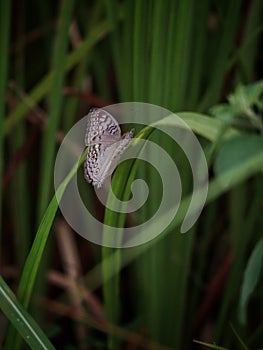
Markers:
<point>101,128</point>
<point>92,163</point>
<point>109,158</point>
<point>120,148</point>
<point>105,143</point>
<point>101,161</point>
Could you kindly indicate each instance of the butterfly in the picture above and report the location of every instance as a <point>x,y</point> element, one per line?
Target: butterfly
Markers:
<point>106,144</point>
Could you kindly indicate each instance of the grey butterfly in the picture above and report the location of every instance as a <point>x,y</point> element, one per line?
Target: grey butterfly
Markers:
<point>106,144</point>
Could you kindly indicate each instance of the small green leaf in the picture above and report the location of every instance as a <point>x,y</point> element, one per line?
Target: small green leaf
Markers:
<point>223,112</point>
<point>246,96</point>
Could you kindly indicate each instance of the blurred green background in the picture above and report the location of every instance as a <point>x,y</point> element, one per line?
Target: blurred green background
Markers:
<point>201,59</point>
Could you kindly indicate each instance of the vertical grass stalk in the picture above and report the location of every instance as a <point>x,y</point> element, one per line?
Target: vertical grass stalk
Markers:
<point>5,18</point>
<point>55,105</point>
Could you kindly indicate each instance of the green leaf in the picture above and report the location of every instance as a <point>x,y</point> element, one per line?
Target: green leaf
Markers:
<point>205,126</point>
<point>223,112</point>
<point>240,109</point>
<point>251,279</point>
<point>246,96</point>
<point>21,319</point>
<point>237,151</point>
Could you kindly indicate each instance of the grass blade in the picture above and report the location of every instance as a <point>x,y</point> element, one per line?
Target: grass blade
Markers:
<point>55,102</point>
<point>30,270</point>
<point>250,279</point>
<point>43,87</point>
<point>21,319</point>
<point>227,32</point>
<point>5,10</point>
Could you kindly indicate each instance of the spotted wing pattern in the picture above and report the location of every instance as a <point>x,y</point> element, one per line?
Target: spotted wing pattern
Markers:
<point>106,144</point>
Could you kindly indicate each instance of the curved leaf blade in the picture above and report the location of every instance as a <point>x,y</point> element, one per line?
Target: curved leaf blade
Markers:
<point>22,321</point>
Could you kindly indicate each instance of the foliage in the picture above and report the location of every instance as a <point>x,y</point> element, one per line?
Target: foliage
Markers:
<point>200,57</point>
